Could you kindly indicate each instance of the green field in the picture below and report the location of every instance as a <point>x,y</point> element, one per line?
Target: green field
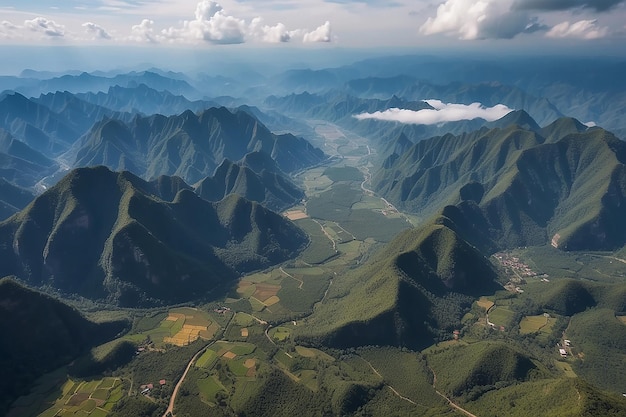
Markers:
<point>501,316</point>
<point>532,324</point>
<point>280,334</point>
<point>343,174</point>
<point>75,398</point>
<point>209,387</point>
<point>207,359</point>
<point>320,248</point>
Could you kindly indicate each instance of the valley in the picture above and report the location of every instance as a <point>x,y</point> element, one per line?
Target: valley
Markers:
<point>315,242</point>
<point>232,349</point>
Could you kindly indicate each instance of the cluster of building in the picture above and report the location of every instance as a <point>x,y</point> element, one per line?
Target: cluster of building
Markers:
<point>567,344</point>
<point>146,388</point>
<point>515,264</point>
<point>221,310</point>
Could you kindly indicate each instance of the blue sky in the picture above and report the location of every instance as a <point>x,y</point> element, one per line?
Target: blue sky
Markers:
<point>497,25</point>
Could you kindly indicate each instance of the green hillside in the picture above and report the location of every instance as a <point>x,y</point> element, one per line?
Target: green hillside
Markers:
<point>563,184</point>
<point>412,293</point>
<point>106,235</point>
<point>270,188</point>
<point>49,334</point>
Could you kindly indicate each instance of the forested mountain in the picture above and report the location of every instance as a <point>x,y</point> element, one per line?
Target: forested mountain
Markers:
<point>564,183</point>
<point>107,235</point>
<point>410,294</point>
<point>266,185</point>
<point>188,145</point>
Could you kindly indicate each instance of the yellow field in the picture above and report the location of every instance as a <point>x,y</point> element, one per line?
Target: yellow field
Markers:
<point>249,363</point>
<point>296,215</point>
<point>622,319</point>
<point>485,303</point>
<point>244,332</point>
<point>229,355</point>
<point>187,335</point>
<point>195,324</point>
<point>272,300</point>
<point>175,317</point>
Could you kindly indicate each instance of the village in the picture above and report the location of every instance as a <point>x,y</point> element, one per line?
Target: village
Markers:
<point>517,271</point>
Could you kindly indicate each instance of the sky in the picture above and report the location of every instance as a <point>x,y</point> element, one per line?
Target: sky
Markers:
<point>497,25</point>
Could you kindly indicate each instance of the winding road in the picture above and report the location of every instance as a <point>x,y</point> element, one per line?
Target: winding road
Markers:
<point>170,407</point>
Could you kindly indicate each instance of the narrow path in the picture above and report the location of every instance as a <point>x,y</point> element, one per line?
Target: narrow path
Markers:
<point>389,386</point>
<point>339,226</point>
<point>291,276</point>
<point>450,402</point>
<point>327,235</point>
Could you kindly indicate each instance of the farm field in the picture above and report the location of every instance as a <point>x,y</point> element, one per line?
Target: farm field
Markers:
<point>75,397</point>
<point>501,316</point>
<point>485,303</point>
<point>533,324</point>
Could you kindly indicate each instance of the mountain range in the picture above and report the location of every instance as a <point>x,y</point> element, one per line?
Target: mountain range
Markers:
<point>107,235</point>
<point>563,184</point>
<point>187,145</point>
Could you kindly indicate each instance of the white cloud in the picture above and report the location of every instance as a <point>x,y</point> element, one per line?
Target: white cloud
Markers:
<point>45,26</point>
<point>213,24</point>
<point>272,34</point>
<point>470,20</point>
<point>441,113</point>
<point>590,124</point>
<point>8,25</point>
<point>321,34</point>
<point>583,29</point>
<point>97,31</point>
<point>143,32</point>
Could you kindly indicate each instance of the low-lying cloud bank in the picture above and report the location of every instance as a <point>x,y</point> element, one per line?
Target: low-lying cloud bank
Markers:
<point>440,113</point>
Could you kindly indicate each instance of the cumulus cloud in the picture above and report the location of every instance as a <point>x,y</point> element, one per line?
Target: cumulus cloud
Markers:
<point>45,26</point>
<point>321,34</point>
<point>583,29</point>
<point>590,124</point>
<point>470,20</point>
<point>213,24</point>
<point>552,5</point>
<point>96,31</point>
<point>144,32</point>
<point>272,34</point>
<point>441,113</point>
